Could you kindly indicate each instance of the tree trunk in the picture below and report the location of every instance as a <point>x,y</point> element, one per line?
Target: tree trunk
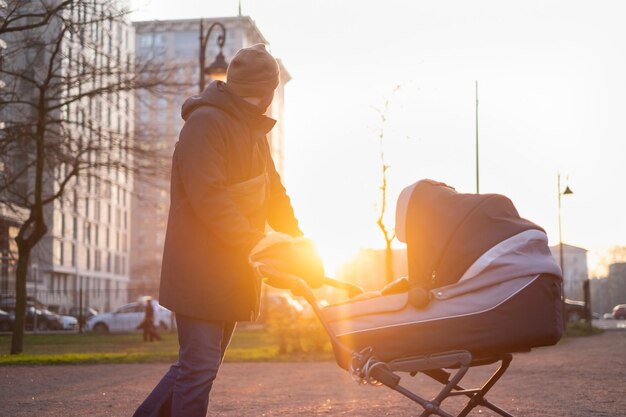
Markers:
<point>31,232</point>
<point>389,262</point>
<point>17,339</point>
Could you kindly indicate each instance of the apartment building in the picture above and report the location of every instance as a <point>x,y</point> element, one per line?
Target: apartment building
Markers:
<point>575,269</point>
<point>84,257</point>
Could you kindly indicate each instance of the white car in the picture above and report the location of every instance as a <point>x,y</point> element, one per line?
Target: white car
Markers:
<point>69,322</point>
<point>127,318</point>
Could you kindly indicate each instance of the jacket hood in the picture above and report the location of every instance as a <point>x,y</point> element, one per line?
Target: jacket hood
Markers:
<point>218,95</point>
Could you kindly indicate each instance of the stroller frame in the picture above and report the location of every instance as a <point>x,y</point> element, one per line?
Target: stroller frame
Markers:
<point>366,369</point>
<point>369,370</point>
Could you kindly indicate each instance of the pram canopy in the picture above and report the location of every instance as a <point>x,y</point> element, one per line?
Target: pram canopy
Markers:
<point>447,231</point>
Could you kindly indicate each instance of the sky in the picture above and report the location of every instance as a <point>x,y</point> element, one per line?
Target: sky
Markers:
<point>552,101</point>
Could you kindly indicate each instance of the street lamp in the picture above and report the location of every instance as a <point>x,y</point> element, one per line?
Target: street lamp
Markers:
<point>217,70</point>
<point>567,191</point>
<point>477,166</point>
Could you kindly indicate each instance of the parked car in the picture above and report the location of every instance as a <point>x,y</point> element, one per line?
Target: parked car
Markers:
<point>6,321</point>
<point>126,319</point>
<point>68,322</point>
<point>279,306</point>
<point>88,313</point>
<point>619,312</point>
<point>42,319</point>
<point>45,319</point>
<point>575,310</point>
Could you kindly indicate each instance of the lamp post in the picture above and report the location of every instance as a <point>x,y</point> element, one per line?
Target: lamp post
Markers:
<point>217,69</point>
<point>567,191</point>
<point>477,166</point>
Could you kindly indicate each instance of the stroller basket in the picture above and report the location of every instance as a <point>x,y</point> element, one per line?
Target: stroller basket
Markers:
<point>491,289</point>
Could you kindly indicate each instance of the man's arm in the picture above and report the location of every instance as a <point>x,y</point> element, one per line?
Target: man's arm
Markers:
<point>281,216</point>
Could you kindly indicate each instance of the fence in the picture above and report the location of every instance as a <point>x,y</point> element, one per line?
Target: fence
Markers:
<point>128,306</point>
<point>279,309</point>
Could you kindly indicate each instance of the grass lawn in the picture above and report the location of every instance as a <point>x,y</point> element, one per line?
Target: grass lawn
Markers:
<point>48,349</point>
<point>248,345</point>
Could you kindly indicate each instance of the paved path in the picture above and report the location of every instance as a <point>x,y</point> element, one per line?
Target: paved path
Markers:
<point>580,377</point>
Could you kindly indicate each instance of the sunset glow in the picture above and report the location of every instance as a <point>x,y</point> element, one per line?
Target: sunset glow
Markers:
<point>551,91</point>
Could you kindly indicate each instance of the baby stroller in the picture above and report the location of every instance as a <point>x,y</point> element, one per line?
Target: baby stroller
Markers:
<point>482,285</point>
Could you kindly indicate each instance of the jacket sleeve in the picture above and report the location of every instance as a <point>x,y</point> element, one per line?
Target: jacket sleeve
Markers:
<point>281,216</point>
<point>201,164</point>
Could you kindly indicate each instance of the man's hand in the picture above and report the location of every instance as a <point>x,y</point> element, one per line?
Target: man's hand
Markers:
<point>294,256</point>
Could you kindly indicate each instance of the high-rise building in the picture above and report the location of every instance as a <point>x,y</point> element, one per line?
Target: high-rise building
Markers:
<point>83,258</point>
<point>575,269</point>
<point>3,46</point>
<point>7,225</point>
<point>159,122</point>
<point>609,291</point>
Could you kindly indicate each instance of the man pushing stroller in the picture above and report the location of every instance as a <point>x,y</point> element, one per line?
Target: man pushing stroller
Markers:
<point>224,190</point>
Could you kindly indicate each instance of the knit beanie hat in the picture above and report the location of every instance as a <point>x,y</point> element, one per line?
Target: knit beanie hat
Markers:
<point>253,72</point>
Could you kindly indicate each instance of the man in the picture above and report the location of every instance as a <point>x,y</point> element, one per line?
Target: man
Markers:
<point>224,189</point>
<point>150,322</point>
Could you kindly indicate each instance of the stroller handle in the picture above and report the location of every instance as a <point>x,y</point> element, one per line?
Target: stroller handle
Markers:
<point>352,289</point>
<point>299,287</point>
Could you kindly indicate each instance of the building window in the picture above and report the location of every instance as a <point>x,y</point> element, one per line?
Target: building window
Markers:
<point>116,264</point>
<point>87,237</point>
<point>97,265</point>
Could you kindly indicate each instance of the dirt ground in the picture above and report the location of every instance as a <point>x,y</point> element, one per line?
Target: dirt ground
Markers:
<point>580,377</point>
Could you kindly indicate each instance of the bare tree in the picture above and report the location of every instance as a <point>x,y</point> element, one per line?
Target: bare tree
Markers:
<point>388,234</point>
<point>17,19</point>
<point>67,66</point>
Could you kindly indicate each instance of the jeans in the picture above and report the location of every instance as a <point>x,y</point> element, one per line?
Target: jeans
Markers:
<point>184,389</point>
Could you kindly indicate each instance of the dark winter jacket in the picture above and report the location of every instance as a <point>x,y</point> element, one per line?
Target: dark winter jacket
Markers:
<point>224,188</point>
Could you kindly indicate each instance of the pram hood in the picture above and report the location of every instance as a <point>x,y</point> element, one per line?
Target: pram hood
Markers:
<point>447,231</point>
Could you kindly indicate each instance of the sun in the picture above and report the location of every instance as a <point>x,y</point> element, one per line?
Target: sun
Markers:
<point>335,252</point>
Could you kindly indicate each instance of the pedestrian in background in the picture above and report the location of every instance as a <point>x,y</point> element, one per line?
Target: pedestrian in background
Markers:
<point>150,322</point>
